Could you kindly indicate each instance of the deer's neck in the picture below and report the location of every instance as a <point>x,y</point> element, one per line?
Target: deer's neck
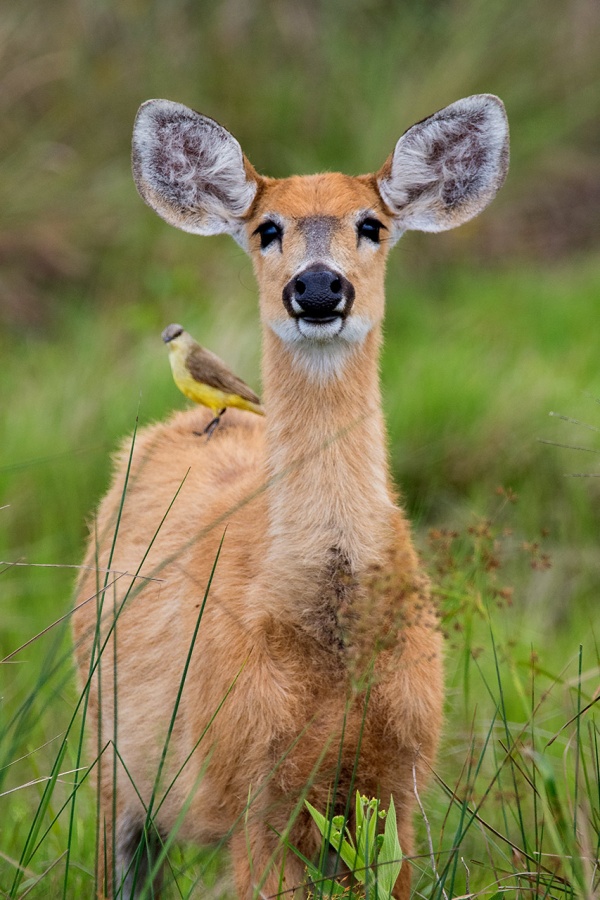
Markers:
<point>331,496</point>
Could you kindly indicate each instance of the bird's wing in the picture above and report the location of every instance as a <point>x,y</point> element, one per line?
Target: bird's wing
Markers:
<point>207,368</point>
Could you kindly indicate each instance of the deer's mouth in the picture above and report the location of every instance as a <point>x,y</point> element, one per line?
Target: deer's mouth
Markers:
<point>313,320</point>
<point>320,329</point>
<point>323,331</point>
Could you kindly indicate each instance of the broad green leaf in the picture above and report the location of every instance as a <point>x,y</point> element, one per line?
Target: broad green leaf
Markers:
<point>322,822</point>
<point>389,859</point>
<point>346,851</point>
<point>369,839</point>
<point>366,840</point>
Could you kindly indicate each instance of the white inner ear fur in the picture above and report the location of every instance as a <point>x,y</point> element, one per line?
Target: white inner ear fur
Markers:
<point>190,170</point>
<point>446,169</point>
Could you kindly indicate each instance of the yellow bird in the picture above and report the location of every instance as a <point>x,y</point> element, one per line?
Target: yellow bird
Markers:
<point>205,379</point>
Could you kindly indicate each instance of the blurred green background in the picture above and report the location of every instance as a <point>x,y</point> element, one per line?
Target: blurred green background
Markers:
<point>489,328</point>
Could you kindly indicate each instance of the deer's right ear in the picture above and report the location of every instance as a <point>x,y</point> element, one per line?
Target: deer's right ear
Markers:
<point>191,170</point>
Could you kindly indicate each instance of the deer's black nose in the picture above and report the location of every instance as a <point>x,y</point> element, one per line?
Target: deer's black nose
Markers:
<point>318,294</point>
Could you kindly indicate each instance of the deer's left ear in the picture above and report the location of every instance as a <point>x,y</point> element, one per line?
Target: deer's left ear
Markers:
<point>447,168</point>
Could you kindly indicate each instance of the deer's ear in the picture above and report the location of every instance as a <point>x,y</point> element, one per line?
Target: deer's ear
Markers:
<point>191,170</point>
<point>447,168</point>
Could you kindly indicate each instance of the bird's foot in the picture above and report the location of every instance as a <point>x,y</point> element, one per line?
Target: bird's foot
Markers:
<point>210,428</point>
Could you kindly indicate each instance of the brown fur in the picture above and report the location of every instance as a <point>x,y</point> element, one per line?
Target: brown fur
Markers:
<point>318,624</point>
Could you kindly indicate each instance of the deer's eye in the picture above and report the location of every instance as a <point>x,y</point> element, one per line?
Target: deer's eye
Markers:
<point>269,231</point>
<point>370,228</point>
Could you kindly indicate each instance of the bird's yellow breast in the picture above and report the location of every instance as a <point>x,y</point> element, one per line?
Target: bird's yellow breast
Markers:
<point>202,393</point>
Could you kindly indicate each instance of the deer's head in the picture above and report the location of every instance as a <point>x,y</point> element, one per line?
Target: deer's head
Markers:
<point>319,243</point>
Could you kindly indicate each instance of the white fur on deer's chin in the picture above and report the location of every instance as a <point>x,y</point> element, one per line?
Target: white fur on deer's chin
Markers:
<point>321,351</point>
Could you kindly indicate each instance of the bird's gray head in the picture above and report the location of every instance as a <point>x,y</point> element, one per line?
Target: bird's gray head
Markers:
<point>171,332</point>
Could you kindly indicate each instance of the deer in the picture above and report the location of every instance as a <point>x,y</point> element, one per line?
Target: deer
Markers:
<point>254,626</point>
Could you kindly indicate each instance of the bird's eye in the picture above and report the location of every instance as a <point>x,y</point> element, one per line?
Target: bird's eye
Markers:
<point>370,228</point>
<point>269,231</point>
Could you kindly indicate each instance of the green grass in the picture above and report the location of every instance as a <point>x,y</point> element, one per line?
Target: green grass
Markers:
<point>515,798</point>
